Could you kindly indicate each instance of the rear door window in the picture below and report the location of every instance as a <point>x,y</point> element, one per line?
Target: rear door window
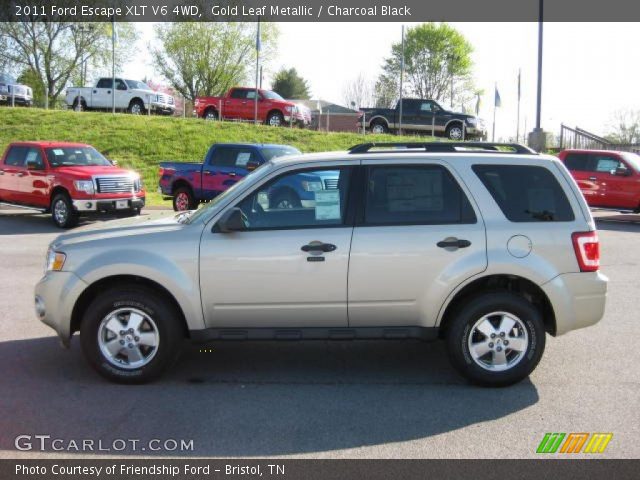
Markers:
<point>526,193</point>
<point>233,157</point>
<point>577,162</point>
<point>16,156</point>
<point>239,93</point>
<point>414,195</point>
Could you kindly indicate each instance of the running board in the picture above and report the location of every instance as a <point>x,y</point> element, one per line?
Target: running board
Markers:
<point>24,207</point>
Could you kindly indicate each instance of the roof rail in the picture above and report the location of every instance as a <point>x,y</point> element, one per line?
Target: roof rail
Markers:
<point>452,147</point>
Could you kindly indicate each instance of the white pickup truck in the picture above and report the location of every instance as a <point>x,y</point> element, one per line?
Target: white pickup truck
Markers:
<point>131,95</point>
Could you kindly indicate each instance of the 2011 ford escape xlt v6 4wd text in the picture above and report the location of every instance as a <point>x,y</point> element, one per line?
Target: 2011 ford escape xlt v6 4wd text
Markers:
<point>483,246</point>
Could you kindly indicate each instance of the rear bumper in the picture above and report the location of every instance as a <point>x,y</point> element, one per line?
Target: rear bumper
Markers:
<point>108,204</point>
<point>578,299</point>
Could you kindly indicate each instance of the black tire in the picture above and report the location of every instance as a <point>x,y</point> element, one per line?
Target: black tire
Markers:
<point>472,311</point>
<point>183,200</point>
<point>379,127</point>
<point>285,199</point>
<point>210,114</point>
<point>136,107</point>
<point>275,119</point>
<point>168,325</point>
<point>455,132</point>
<point>62,212</point>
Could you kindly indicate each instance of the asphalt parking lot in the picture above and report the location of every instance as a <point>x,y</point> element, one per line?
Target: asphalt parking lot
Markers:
<point>320,399</point>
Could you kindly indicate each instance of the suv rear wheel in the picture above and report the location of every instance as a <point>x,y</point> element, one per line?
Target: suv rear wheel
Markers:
<point>130,334</point>
<point>496,339</point>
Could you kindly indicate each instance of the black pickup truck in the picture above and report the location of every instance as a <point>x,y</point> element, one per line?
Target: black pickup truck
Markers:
<point>423,116</point>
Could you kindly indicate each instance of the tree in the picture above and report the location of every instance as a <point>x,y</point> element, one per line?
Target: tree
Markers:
<point>625,127</point>
<point>290,85</point>
<point>435,54</point>
<point>385,92</point>
<point>53,51</point>
<point>202,58</point>
<point>359,90</point>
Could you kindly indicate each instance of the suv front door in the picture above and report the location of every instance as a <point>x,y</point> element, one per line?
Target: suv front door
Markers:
<point>417,235</point>
<point>288,267</point>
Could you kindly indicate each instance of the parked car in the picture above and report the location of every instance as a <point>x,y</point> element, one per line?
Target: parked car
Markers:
<point>131,95</point>
<point>224,165</point>
<point>239,104</point>
<point>607,179</point>
<point>14,93</point>
<point>67,180</point>
<point>423,116</point>
<point>486,249</point>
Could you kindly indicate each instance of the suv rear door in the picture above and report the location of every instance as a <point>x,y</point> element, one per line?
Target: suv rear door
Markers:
<point>416,235</point>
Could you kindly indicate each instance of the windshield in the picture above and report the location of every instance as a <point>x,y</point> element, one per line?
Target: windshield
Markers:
<point>138,85</point>
<point>633,159</point>
<point>269,95</point>
<point>272,152</point>
<point>76,156</point>
<point>203,211</point>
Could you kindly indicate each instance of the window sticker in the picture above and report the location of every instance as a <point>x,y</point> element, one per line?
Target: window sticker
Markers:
<point>32,156</point>
<point>327,204</point>
<point>58,151</point>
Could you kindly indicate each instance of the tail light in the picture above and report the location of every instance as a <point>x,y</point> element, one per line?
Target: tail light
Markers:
<point>587,248</point>
<point>165,171</point>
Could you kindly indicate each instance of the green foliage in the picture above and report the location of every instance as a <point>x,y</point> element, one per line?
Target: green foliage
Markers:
<point>55,50</point>
<point>141,142</point>
<point>434,54</point>
<point>290,85</point>
<point>203,58</point>
<point>31,78</point>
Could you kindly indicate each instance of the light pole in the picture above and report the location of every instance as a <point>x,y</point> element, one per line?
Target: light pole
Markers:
<point>538,138</point>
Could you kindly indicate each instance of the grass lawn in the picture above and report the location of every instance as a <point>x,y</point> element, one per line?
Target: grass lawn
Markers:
<point>141,142</point>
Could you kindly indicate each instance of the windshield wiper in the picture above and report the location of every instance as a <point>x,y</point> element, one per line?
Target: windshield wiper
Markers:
<point>544,215</point>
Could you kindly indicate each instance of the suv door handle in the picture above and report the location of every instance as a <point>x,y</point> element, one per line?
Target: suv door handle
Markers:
<point>318,247</point>
<point>20,174</point>
<point>453,242</point>
<point>593,179</point>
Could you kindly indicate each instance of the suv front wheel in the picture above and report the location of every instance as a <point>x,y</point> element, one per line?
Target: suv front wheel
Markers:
<point>496,339</point>
<point>130,334</point>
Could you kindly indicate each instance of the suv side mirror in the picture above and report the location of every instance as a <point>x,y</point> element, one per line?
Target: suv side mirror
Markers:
<point>621,172</point>
<point>252,165</point>
<point>232,220</point>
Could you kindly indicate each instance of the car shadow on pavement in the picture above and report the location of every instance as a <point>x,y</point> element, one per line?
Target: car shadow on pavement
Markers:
<point>618,223</point>
<point>249,398</point>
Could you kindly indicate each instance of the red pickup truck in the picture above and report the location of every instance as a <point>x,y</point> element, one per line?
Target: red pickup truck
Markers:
<point>608,179</point>
<point>239,104</point>
<point>67,180</point>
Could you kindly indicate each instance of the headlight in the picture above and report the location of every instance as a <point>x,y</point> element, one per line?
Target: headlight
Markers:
<point>472,121</point>
<point>85,186</point>
<point>55,261</point>
<point>312,186</point>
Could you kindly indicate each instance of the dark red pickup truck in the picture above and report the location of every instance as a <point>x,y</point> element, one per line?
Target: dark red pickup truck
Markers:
<point>239,104</point>
<point>67,180</point>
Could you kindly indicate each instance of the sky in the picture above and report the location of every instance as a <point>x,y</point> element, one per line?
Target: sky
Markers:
<point>590,70</point>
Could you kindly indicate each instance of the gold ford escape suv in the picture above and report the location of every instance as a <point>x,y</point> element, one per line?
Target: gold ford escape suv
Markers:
<point>486,246</point>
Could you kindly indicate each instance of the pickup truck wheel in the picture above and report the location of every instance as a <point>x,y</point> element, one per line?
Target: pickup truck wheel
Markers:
<point>130,334</point>
<point>183,200</point>
<point>284,200</point>
<point>379,127</point>
<point>136,107</point>
<point>62,211</point>
<point>210,114</point>
<point>454,132</point>
<point>275,119</point>
<point>496,339</point>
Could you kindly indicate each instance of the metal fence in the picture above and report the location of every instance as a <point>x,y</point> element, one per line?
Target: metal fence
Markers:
<point>581,139</point>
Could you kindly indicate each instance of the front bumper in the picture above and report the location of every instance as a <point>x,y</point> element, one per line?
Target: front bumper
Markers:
<point>107,204</point>
<point>55,296</point>
<point>578,299</point>
<point>166,108</point>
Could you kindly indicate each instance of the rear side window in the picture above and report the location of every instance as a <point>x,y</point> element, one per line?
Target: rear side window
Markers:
<point>577,161</point>
<point>526,193</point>
<point>232,157</point>
<point>239,93</point>
<point>16,156</point>
<point>415,195</point>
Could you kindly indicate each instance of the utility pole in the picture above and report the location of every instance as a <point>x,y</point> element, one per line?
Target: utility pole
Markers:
<point>401,84</point>
<point>255,100</point>
<point>538,138</point>
<point>518,120</point>
<point>114,36</point>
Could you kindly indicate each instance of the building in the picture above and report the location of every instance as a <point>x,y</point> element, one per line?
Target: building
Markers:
<point>331,117</point>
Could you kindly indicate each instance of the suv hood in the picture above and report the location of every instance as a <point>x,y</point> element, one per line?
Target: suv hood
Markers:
<point>126,227</point>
